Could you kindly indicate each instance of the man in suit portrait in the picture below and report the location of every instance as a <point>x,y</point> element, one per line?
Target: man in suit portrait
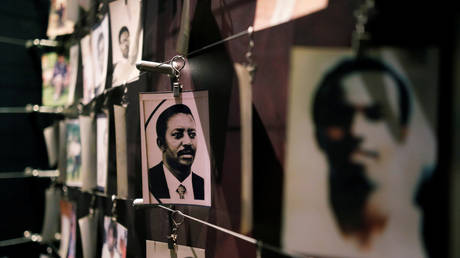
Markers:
<point>173,177</point>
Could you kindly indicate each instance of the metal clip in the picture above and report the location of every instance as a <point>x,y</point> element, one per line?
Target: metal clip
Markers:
<point>172,238</point>
<point>114,207</point>
<point>124,98</point>
<point>360,36</point>
<point>250,65</point>
<point>177,63</point>
<point>92,205</point>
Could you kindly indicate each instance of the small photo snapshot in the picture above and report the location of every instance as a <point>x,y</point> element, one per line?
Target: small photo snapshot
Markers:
<point>55,76</point>
<point>126,29</point>
<point>73,140</point>
<point>115,239</point>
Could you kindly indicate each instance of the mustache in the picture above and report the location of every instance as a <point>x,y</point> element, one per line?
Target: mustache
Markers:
<point>186,151</point>
<point>367,153</point>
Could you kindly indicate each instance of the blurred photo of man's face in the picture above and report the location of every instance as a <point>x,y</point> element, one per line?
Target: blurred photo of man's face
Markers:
<point>370,119</point>
<point>359,130</point>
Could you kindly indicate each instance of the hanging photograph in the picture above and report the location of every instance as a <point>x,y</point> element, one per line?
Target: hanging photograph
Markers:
<point>87,64</point>
<point>88,134</point>
<point>55,76</point>
<point>88,233</point>
<point>121,147</point>
<point>73,72</point>
<point>175,148</point>
<point>126,29</point>
<point>73,166</point>
<point>361,147</point>
<point>115,239</point>
<point>52,217</point>
<point>100,51</point>
<point>270,13</point>
<point>68,244</point>
<point>160,249</point>
<point>102,150</point>
<point>59,22</point>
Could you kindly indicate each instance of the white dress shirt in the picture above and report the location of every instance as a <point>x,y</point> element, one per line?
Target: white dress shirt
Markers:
<point>173,184</point>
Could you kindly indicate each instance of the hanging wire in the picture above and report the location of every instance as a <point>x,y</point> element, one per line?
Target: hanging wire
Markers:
<point>232,37</point>
<point>29,172</point>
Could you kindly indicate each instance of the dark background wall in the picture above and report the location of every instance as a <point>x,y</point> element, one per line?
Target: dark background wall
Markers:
<point>22,145</point>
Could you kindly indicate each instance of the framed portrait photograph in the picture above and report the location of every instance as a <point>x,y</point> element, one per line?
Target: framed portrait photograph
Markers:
<point>115,239</point>
<point>73,150</point>
<point>361,149</point>
<point>127,32</point>
<point>160,249</point>
<point>100,54</point>
<point>176,166</point>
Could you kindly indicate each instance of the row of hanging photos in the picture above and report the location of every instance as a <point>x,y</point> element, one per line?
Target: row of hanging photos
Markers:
<point>172,70</point>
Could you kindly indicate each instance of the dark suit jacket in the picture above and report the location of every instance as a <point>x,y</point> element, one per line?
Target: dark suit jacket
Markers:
<point>159,187</point>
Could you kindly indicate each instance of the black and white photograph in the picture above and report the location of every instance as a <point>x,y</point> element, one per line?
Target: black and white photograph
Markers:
<point>127,32</point>
<point>115,239</point>
<point>176,164</point>
<point>102,150</point>
<point>100,54</point>
<point>160,249</point>
<point>87,64</point>
<point>361,148</point>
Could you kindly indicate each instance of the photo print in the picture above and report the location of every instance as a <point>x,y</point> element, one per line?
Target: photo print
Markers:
<point>55,76</point>
<point>73,166</point>
<point>73,73</point>
<point>100,54</point>
<point>68,244</point>
<point>360,147</point>
<point>60,20</point>
<point>126,28</point>
<point>270,13</point>
<point>88,73</point>
<point>160,249</point>
<point>102,150</point>
<point>115,239</point>
<point>176,165</point>
<point>89,232</point>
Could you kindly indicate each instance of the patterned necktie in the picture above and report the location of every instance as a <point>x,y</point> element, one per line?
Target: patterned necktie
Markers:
<point>181,191</point>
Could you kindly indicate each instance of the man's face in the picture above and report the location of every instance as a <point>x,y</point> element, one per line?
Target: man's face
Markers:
<point>369,135</point>
<point>180,140</point>
<point>124,43</point>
